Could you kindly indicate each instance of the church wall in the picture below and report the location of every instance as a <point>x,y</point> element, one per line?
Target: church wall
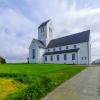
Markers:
<point>61,59</point>
<point>36,59</point>
<point>81,57</point>
<point>41,52</point>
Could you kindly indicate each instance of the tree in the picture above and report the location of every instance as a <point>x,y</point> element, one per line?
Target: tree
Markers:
<point>2,60</point>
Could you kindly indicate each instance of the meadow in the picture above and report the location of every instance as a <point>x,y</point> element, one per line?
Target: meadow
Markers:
<point>33,81</point>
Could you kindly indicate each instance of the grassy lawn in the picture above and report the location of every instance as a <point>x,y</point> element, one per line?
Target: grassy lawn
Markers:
<point>33,81</point>
<point>8,86</point>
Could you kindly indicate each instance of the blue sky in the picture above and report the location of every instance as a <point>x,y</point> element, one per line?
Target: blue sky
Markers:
<point>19,20</point>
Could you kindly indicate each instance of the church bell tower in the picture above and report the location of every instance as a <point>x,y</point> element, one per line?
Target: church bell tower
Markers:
<point>45,32</point>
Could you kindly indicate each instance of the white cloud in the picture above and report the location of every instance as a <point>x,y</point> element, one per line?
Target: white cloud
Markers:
<point>76,20</point>
<point>16,33</point>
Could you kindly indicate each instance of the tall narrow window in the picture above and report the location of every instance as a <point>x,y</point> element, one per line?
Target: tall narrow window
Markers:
<point>85,57</point>
<point>33,53</point>
<point>48,49</point>
<point>53,49</point>
<point>73,56</point>
<point>66,47</point>
<point>57,57</point>
<point>43,29</point>
<point>60,48</point>
<point>51,58</point>
<point>45,58</point>
<point>50,29</point>
<point>65,57</point>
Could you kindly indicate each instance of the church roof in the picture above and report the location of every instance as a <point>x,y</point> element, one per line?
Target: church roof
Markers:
<point>62,51</point>
<point>71,39</point>
<point>44,23</point>
<point>40,43</point>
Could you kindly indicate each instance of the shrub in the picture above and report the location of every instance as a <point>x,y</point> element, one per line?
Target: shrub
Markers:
<point>2,60</point>
<point>37,89</point>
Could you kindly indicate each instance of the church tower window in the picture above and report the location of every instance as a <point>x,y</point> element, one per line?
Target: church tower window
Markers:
<point>50,30</point>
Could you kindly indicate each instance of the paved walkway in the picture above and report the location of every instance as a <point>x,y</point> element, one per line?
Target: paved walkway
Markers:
<point>83,86</point>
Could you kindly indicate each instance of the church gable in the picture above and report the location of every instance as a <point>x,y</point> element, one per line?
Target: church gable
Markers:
<point>38,43</point>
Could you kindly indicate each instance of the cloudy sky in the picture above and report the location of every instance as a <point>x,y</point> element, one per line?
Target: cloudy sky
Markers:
<point>19,20</point>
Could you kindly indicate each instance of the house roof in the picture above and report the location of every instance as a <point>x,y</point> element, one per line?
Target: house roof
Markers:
<point>71,39</point>
<point>40,43</point>
<point>62,51</point>
<point>44,23</point>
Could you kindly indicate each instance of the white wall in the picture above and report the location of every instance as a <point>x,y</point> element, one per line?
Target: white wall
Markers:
<point>36,59</point>
<point>83,52</point>
<point>61,59</point>
<point>41,52</point>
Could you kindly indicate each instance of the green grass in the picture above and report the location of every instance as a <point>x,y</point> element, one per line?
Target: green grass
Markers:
<point>8,86</point>
<point>39,78</point>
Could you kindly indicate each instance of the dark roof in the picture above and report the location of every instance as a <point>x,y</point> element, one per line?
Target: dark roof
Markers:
<point>44,23</point>
<point>63,51</point>
<point>71,39</point>
<point>40,43</point>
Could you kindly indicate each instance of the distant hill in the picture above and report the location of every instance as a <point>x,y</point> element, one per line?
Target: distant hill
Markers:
<point>97,61</point>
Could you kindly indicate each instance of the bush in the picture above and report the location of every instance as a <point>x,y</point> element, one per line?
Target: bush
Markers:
<point>2,60</point>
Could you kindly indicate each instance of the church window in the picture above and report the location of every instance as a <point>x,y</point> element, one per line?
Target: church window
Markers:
<point>45,58</point>
<point>33,53</point>
<point>82,58</point>
<point>85,58</point>
<point>43,29</point>
<point>59,48</point>
<point>66,47</point>
<point>53,49</point>
<point>65,57</point>
<point>73,56</point>
<point>48,49</point>
<point>75,46</point>
<point>50,30</point>
<point>51,58</point>
<point>57,57</point>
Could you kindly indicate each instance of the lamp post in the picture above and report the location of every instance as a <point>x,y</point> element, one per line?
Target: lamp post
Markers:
<point>28,60</point>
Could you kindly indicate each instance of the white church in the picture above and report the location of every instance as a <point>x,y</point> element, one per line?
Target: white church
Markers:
<point>71,49</point>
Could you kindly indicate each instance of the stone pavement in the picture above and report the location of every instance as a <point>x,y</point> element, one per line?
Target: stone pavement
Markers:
<point>83,86</point>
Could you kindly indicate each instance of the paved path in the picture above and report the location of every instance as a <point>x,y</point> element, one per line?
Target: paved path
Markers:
<point>83,86</point>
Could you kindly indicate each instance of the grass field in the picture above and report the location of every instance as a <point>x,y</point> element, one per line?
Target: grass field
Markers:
<point>33,81</point>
